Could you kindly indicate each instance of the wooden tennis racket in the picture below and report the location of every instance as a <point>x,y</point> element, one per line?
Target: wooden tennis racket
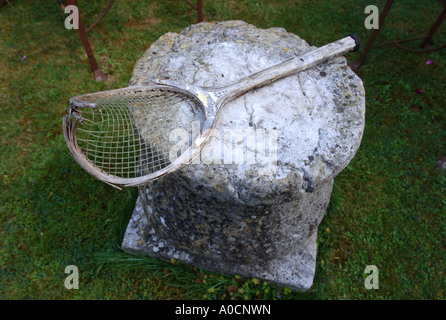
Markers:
<point>119,136</point>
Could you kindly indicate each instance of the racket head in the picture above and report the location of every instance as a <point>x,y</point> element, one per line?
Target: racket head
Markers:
<point>129,136</point>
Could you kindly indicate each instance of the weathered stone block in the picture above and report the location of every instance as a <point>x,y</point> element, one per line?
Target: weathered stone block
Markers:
<point>252,203</point>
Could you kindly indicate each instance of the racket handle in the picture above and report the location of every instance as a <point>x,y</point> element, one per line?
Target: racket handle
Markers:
<point>357,41</point>
<point>295,65</point>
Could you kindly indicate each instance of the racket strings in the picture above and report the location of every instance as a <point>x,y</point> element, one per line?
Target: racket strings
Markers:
<point>128,135</point>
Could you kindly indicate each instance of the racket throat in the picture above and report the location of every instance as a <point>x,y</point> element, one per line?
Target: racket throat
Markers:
<point>203,137</point>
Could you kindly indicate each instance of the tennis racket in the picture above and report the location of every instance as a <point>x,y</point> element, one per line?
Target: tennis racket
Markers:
<point>121,136</point>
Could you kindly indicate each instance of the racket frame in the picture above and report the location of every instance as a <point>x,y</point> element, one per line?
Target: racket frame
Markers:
<point>209,100</point>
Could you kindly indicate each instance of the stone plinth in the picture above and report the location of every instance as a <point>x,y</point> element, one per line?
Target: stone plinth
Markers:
<point>252,203</point>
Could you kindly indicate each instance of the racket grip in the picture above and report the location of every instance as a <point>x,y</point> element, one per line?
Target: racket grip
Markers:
<point>295,65</point>
<point>357,41</point>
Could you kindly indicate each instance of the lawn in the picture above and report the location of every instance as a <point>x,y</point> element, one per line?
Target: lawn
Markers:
<point>388,207</point>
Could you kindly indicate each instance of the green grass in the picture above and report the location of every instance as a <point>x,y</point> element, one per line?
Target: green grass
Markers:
<point>388,207</point>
